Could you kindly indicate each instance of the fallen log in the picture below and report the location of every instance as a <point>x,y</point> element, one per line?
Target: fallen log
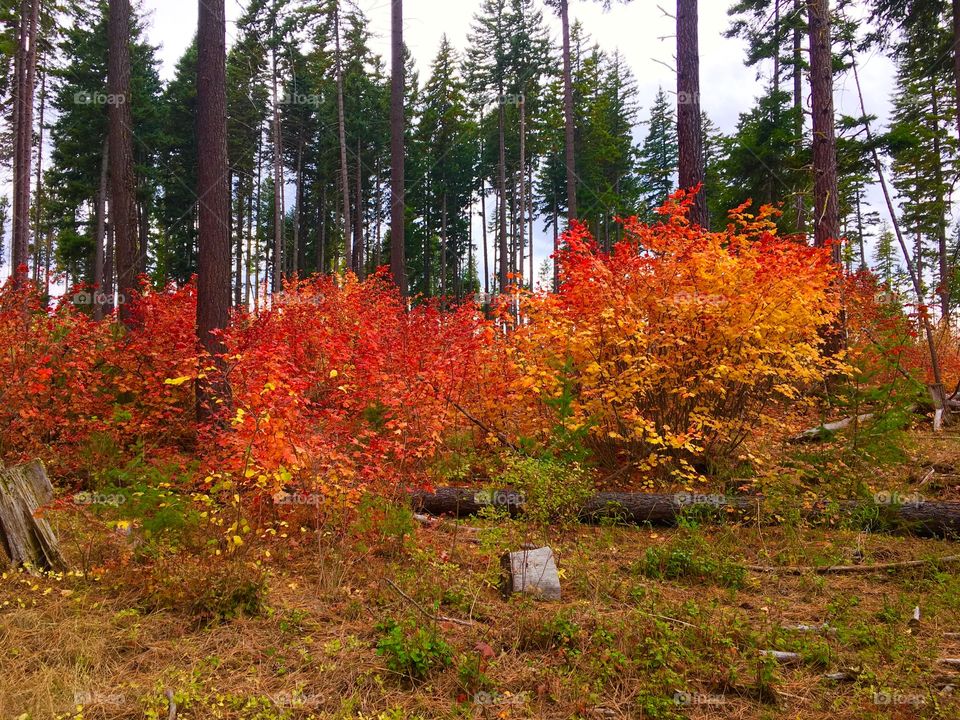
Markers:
<point>27,539</point>
<point>828,429</point>
<point>922,517</point>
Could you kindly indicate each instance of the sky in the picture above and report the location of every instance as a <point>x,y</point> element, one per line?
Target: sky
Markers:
<point>641,31</point>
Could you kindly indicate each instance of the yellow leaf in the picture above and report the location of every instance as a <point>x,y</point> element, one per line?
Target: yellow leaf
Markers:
<point>333,374</point>
<point>177,381</point>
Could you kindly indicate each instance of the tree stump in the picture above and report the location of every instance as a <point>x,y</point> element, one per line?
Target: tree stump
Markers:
<point>27,539</point>
<point>531,571</point>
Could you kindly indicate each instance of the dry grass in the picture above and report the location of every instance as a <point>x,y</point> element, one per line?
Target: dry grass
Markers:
<point>620,644</point>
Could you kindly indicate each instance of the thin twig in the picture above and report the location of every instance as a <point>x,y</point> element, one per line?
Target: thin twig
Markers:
<point>418,606</point>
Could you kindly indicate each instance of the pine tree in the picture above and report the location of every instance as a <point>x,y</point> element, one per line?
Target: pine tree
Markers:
<point>658,156</point>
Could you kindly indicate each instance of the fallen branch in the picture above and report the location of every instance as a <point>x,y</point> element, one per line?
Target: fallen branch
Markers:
<point>852,569</point>
<point>828,429</point>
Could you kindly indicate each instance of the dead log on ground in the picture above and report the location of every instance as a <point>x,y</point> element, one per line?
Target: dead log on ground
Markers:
<point>926,517</point>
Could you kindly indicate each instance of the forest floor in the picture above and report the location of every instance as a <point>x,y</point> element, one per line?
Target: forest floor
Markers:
<point>654,622</point>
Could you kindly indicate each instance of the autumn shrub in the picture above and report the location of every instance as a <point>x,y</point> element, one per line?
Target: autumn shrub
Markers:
<point>339,387</point>
<point>678,340</point>
<point>88,396</point>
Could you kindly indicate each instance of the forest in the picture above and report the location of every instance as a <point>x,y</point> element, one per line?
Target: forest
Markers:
<point>337,383</point>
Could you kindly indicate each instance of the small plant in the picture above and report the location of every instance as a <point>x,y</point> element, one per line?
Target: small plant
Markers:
<point>412,650</point>
<point>557,632</point>
<point>689,559</point>
<point>383,524</point>
<point>551,490</point>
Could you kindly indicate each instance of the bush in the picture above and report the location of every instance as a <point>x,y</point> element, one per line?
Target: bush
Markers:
<point>551,491</point>
<point>679,339</point>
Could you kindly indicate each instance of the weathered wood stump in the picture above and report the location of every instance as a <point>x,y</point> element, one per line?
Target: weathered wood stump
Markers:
<point>532,571</point>
<point>27,539</point>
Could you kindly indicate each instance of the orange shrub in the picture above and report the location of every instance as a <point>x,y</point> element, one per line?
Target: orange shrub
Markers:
<point>679,339</point>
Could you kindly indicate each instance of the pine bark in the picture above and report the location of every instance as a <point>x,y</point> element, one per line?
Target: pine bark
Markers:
<point>689,130</point>
<point>123,209</point>
<point>342,131</point>
<point>397,186</point>
<point>24,80</point>
<point>99,253</point>
<point>568,122</point>
<point>213,281</point>
<point>825,186</point>
<point>278,210</point>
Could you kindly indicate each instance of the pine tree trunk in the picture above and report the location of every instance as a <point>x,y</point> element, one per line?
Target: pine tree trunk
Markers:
<point>123,210</point>
<point>798,108</point>
<point>38,193</point>
<point>956,58</point>
<point>483,220</point>
<point>25,73</point>
<point>278,210</point>
<point>398,263</point>
<point>213,191</point>
<point>298,200</point>
<point>568,122</point>
<point>521,203</point>
<point>825,186</point>
<point>99,251</point>
<point>342,129</point>
<point>504,258</point>
<point>238,248</point>
<point>689,131</point>
<point>358,218</point>
<point>943,254</point>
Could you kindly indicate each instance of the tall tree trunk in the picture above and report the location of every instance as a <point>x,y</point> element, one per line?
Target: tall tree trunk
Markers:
<point>504,250</point>
<point>238,247</point>
<point>568,123</point>
<point>483,226</point>
<point>943,254</point>
<point>256,239</point>
<point>295,257</point>
<point>521,206</point>
<point>689,130</point>
<point>249,250</point>
<point>530,220</point>
<point>398,266</point>
<point>278,209</point>
<point>38,194</point>
<point>99,251</point>
<point>213,275</point>
<point>342,130</point>
<point>25,74</point>
<point>798,108</point>
<point>443,250</point>
<point>956,58</point>
<point>556,248</point>
<point>358,218</point>
<point>825,186</point>
<point>123,210</point>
